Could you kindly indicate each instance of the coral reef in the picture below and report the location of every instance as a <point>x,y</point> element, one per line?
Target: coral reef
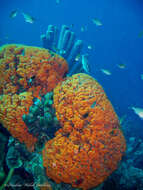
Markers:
<point>129,175</point>
<point>71,117</point>
<point>26,169</point>
<point>90,144</point>
<point>26,73</point>
<point>126,177</point>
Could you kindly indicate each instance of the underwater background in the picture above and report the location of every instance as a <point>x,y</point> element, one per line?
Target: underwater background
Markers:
<point>115,56</point>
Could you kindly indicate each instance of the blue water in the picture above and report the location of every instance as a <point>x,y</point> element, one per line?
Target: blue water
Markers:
<point>115,42</point>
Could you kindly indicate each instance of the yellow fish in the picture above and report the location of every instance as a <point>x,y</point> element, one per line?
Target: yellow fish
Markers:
<point>28,18</point>
<point>138,111</point>
<point>13,14</point>
<point>97,22</point>
<point>121,66</point>
<point>106,72</point>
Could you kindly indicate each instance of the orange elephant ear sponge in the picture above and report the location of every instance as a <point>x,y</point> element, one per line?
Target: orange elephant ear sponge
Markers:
<point>25,73</point>
<point>90,144</point>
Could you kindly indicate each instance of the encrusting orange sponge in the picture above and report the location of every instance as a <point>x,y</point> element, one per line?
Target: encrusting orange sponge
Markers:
<point>90,144</point>
<point>25,73</point>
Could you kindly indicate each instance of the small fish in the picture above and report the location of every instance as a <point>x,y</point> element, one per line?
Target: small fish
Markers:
<point>105,71</point>
<point>62,52</point>
<point>140,34</point>
<point>138,111</point>
<point>58,51</point>
<point>77,58</point>
<point>121,66</point>
<point>84,62</point>
<point>97,22</point>
<point>122,119</point>
<point>83,28</point>
<point>89,47</point>
<point>28,18</point>
<point>141,76</point>
<point>13,14</point>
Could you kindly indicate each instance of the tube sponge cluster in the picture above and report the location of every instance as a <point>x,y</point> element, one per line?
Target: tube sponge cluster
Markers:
<point>25,73</point>
<point>63,42</point>
<point>90,144</point>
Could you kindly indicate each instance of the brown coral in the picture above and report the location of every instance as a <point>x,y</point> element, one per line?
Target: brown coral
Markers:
<point>88,147</point>
<point>25,73</point>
